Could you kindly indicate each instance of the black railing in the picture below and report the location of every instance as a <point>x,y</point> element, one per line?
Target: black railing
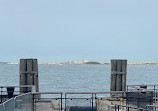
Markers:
<point>128,108</point>
<point>140,94</point>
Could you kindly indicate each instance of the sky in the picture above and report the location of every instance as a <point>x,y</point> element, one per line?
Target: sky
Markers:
<point>62,30</point>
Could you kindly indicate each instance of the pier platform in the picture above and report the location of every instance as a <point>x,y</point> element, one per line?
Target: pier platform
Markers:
<point>47,105</point>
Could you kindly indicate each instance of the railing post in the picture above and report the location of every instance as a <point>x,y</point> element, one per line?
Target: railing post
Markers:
<point>151,97</point>
<point>118,108</point>
<point>92,102</point>
<point>154,94</point>
<point>138,99</point>
<point>33,103</point>
<point>95,101</point>
<point>128,109</point>
<point>146,108</point>
<point>126,97</point>
<point>115,107</point>
<point>1,94</point>
<point>61,102</point>
<point>65,102</point>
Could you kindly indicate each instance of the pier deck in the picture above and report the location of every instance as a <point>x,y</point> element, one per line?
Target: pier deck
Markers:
<point>47,105</point>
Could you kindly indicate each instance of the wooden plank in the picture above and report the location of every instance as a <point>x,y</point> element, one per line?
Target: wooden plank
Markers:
<point>23,65</point>
<point>29,76</point>
<point>36,82</point>
<point>113,82</point>
<point>36,85</point>
<point>35,65</point>
<point>35,69</point>
<point>119,76</point>
<point>23,81</point>
<point>23,77</point>
<point>29,65</point>
<point>124,69</point>
<point>113,76</point>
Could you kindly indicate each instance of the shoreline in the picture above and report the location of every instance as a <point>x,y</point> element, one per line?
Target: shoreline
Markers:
<point>53,63</point>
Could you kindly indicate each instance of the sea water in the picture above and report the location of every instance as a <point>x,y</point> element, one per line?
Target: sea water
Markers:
<point>79,78</point>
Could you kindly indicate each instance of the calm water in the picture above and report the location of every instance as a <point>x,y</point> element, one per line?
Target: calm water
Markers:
<point>79,77</point>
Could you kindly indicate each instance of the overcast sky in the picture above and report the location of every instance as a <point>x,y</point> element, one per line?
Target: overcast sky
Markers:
<point>61,30</point>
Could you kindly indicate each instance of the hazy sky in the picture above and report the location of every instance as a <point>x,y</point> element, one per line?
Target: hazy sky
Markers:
<point>61,30</point>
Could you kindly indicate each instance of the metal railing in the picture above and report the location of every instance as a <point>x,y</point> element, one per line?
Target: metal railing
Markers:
<point>24,102</point>
<point>75,101</point>
<point>12,99</point>
<point>140,94</point>
<point>80,101</point>
<point>128,108</point>
<point>144,87</point>
<point>152,107</point>
<point>19,103</point>
<point>9,105</point>
<point>7,92</point>
<point>72,101</point>
<point>148,94</point>
<point>1,107</point>
<point>56,101</point>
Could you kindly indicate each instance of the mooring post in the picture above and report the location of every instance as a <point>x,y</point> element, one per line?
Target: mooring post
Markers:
<point>118,75</point>
<point>28,74</point>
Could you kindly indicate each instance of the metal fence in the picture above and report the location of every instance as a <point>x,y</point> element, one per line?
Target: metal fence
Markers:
<point>9,105</point>
<point>48,101</point>
<point>83,101</point>
<point>24,102</point>
<point>152,107</point>
<point>129,108</point>
<point>142,95</point>
<point>7,92</point>
<point>70,101</point>
<point>1,107</point>
<point>80,101</point>
<point>145,88</point>
<point>18,103</point>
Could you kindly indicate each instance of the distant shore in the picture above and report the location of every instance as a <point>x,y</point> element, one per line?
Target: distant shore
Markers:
<point>143,63</point>
<point>90,62</point>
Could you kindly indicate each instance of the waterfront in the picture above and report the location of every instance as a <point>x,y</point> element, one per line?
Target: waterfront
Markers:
<point>79,77</point>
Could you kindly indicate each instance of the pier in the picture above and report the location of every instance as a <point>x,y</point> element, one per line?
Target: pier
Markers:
<point>121,97</point>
